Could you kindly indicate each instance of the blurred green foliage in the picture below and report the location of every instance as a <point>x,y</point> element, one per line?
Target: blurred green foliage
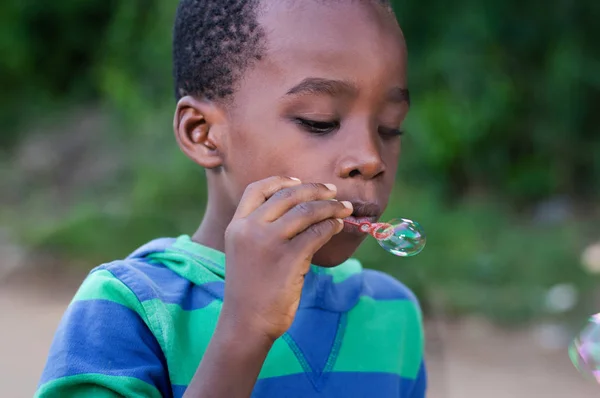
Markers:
<point>503,119</point>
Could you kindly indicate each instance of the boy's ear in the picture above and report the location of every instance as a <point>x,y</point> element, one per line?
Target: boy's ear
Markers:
<point>197,125</point>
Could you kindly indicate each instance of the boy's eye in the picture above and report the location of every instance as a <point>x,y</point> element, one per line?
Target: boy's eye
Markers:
<point>317,127</point>
<point>386,132</point>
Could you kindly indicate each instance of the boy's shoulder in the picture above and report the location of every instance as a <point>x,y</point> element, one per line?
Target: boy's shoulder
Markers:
<point>384,286</point>
<point>372,283</point>
<point>137,272</point>
<point>345,286</point>
<point>138,277</point>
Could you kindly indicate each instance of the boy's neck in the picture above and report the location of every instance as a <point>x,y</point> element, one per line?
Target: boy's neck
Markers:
<point>211,232</point>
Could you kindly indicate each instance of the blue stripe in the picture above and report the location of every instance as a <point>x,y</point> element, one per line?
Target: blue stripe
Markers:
<point>178,391</point>
<point>104,337</point>
<point>381,286</point>
<point>156,245</point>
<point>314,332</point>
<point>420,383</point>
<point>340,385</point>
<point>151,281</point>
<point>321,292</point>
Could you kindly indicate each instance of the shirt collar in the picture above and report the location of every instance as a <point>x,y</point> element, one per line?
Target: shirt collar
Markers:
<point>334,289</point>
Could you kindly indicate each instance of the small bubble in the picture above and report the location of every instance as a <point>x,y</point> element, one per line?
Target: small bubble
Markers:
<point>402,237</point>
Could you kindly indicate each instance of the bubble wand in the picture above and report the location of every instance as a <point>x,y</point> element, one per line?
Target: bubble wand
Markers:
<point>400,236</point>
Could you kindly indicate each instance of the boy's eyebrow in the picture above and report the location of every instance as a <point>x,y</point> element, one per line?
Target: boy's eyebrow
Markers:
<point>317,85</point>
<point>398,95</point>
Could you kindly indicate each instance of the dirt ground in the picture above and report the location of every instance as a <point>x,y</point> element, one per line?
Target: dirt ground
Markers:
<point>488,364</point>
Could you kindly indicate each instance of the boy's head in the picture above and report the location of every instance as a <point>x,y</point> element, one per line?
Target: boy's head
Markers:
<point>313,89</point>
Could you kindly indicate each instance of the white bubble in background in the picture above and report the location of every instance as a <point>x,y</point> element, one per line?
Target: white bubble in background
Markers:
<point>590,258</point>
<point>561,298</point>
<point>551,337</point>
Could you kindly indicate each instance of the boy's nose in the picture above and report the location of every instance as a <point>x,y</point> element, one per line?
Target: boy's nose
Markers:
<point>362,159</point>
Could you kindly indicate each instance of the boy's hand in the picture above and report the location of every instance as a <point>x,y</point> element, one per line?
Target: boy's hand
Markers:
<point>279,225</point>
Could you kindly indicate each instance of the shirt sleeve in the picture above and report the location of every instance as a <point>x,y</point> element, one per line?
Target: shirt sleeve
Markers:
<point>103,346</point>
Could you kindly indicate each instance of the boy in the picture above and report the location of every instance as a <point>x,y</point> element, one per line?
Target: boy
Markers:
<point>293,109</point>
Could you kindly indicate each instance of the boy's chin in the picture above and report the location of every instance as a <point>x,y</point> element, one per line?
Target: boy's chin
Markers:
<point>338,250</point>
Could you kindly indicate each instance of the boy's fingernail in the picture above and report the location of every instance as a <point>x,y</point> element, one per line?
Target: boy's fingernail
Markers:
<point>331,187</point>
<point>340,221</point>
<point>294,178</point>
<point>347,204</point>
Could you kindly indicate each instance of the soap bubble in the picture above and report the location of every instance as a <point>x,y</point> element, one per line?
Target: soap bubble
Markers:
<point>402,237</point>
<point>585,349</point>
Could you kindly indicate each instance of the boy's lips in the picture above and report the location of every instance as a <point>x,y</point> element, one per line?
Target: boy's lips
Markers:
<point>363,212</point>
<point>365,209</point>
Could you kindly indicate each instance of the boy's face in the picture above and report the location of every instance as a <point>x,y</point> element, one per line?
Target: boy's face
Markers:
<point>324,105</point>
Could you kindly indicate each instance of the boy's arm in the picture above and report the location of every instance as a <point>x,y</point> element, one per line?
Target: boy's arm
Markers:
<point>103,347</point>
<point>231,363</point>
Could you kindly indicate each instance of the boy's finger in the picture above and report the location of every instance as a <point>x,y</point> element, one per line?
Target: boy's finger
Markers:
<point>305,214</point>
<point>259,192</point>
<point>286,199</point>
<point>317,235</point>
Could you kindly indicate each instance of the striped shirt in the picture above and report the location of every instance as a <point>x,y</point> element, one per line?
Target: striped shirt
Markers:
<point>139,327</point>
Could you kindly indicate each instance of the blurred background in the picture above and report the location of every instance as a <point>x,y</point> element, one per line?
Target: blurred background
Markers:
<point>501,166</point>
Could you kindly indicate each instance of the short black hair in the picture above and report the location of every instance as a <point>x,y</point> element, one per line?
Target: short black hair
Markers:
<point>214,41</point>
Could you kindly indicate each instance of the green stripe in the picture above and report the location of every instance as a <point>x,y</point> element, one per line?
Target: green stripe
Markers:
<point>186,243</point>
<point>382,336</point>
<point>188,334</point>
<point>281,361</point>
<point>96,386</point>
<point>188,267</point>
<point>103,285</point>
<point>178,256</point>
<point>341,272</point>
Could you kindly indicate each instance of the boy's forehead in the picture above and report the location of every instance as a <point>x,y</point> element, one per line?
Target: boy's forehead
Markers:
<point>333,35</point>
<point>329,20</point>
